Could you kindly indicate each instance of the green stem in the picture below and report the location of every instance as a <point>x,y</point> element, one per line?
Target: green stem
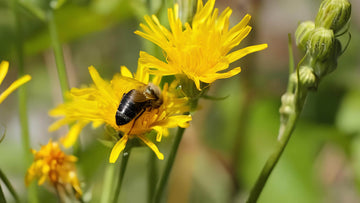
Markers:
<point>152,176</point>
<point>9,186</point>
<point>285,132</point>
<point>169,165</point>
<point>2,196</point>
<point>58,52</point>
<point>123,165</point>
<point>25,137</point>
<point>290,87</point>
<point>108,183</point>
<point>273,159</point>
<point>60,64</point>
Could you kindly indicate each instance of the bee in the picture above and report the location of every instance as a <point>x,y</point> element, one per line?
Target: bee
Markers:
<point>134,103</point>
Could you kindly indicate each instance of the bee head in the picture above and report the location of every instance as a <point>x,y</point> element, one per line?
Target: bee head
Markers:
<point>153,93</point>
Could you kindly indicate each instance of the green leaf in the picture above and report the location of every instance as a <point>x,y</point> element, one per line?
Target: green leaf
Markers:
<point>74,21</point>
<point>34,9</point>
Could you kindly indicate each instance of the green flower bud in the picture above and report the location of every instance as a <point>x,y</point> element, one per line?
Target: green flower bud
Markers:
<point>333,14</point>
<point>321,43</point>
<point>287,104</point>
<point>303,33</point>
<point>322,68</point>
<point>307,77</point>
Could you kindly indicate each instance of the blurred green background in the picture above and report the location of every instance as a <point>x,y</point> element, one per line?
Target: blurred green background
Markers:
<point>229,140</point>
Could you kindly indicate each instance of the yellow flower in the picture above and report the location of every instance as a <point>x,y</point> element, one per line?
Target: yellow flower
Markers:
<point>4,67</point>
<point>98,104</point>
<point>200,50</point>
<point>52,164</point>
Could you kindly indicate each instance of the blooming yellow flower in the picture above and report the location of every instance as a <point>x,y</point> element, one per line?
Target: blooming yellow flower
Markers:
<point>52,164</point>
<point>4,67</point>
<point>98,104</point>
<point>200,50</point>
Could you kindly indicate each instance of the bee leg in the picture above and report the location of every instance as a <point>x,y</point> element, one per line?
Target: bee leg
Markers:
<point>135,119</point>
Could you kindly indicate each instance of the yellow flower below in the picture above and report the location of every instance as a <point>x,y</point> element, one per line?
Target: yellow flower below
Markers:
<point>200,50</point>
<point>4,67</point>
<point>53,165</point>
<point>99,102</point>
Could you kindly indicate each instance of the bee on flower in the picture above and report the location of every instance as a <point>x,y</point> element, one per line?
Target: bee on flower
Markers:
<point>4,67</point>
<point>200,49</point>
<point>52,165</point>
<point>130,104</point>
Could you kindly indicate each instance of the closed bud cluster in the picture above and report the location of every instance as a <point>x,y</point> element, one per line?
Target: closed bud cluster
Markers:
<point>303,33</point>
<point>333,14</point>
<point>319,39</point>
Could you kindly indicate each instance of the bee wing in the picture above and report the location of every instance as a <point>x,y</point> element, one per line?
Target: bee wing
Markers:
<point>138,96</point>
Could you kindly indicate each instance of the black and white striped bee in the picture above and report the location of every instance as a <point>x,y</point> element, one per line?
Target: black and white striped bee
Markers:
<point>134,103</point>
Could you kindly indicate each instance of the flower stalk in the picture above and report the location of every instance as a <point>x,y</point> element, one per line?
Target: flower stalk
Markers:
<point>169,164</point>
<point>108,183</point>
<point>60,62</point>
<point>123,165</point>
<point>58,52</point>
<point>152,176</point>
<point>22,95</point>
<point>322,50</point>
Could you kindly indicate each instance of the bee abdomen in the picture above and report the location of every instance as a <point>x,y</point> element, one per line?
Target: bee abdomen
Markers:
<point>128,109</point>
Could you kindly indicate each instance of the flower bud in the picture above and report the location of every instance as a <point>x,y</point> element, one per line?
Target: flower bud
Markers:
<point>333,14</point>
<point>287,104</point>
<point>321,43</point>
<point>322,68</point>
<point>303,33</point>
<point>307,77</point>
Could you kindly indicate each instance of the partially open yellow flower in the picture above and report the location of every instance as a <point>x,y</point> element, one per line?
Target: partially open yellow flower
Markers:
<point>98,104</point>
<point>4,67</point>
<point>200,50</point>
<point>53,165</point>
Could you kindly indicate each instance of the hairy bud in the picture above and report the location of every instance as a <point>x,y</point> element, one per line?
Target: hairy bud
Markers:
<point>321,43</point>
<point>303,33</point>
<point>333,14</point>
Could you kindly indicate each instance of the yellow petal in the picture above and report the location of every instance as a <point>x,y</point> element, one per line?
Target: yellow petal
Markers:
<point>159,130</point>
<point>152,62</point>
<point>174,121</point>
<point>73,134</point>
<point>4,67</point>
<point>58,111</point>
<point>42,180</point>
<point>125,72</point>
<point>233,56</point>
<point>58,124</point>
<point>96,124</point>
<point>14,86</point>
<point>215,76</point>
<point>117,149</point>
<point>142,74</point>
<point>29,175</point>
<point>152,146</point>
